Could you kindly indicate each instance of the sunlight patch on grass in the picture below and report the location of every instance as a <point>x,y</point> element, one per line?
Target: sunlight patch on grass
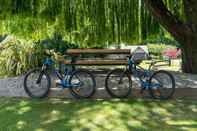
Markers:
<point>181,122</point>
<point>116,100</point>
<point>23,103</point>
<point>135,123</point>
<point>106,103</point>
<point>188,128</point>
<point>161,111</point>
<point>10,108</point>
<point>66,102</point>
<point>23,110</point>
<point>53,116</point>
<point>114,113</point>
<point>56,101</point>
<point>101,118</point>
<point>40,129</point>
<point>169,105</point>
<point>21,124</point>
<point>86,109</point>
<point>193,108</point>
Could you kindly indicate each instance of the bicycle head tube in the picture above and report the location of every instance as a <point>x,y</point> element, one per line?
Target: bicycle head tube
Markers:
<point>48,61</point>
<point>131,63</point>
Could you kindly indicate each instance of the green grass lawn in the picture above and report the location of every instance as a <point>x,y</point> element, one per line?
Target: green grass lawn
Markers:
<point>97,115</point>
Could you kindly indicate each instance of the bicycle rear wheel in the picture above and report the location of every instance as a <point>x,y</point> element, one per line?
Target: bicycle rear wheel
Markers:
<point>118,83</point>
<point>83,84</point>
<point>37,83</point>
<point>162,85</point>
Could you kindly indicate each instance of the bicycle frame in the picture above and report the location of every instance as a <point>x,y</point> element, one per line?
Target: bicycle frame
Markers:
<point>64,79</point>
<point>140,72</point>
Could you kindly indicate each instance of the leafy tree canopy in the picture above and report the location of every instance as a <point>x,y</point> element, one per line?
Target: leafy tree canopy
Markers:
<point>92,23</point>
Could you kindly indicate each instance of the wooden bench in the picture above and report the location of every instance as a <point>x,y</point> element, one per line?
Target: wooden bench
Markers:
<point>98,62</point>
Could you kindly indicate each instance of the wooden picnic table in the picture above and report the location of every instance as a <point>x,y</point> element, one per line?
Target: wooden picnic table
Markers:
<point>100,62</point>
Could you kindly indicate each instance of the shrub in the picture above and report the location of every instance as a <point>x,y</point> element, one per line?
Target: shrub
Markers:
<point>15,58</point>
<point>57,44</point>
<point>158,49</point>
<point>18,56</point>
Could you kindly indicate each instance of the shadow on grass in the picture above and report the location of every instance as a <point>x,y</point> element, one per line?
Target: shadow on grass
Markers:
<point>97,115</point>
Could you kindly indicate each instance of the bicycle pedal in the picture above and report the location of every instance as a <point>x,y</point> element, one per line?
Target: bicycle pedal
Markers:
<point>78,90</point>
<point>66,91</point>
<point>157,92</point>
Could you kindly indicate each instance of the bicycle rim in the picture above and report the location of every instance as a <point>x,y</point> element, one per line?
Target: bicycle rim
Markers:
<point>82,84</point>
<point>162,85</point>
<point>118,83</point>
<point>35,89</point>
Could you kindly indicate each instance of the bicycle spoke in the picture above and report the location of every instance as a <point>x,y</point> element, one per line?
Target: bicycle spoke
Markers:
<point>86,84</point>
<point>118,84</point>
<point>166,82</point>
<point>36,84</point>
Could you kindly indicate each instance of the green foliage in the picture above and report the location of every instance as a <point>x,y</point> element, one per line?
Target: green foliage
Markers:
<point>158,49</point>
<point>57,44</point>
<point>92,23</point>
<point>16,57</point>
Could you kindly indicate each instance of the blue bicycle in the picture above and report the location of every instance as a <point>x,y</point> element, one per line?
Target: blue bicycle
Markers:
<point>161,84</point>
<point>37,82</point>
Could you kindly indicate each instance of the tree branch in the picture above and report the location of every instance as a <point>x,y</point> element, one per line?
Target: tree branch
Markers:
<point>169,21</point>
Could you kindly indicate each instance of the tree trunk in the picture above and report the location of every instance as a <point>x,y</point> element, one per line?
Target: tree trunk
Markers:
<point>184,33</point>
<point>189,54</point>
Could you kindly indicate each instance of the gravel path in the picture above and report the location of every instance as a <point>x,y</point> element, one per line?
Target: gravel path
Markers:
<point>186,87</point>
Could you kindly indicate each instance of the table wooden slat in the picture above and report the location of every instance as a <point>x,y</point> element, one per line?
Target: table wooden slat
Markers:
<point>98,51</point>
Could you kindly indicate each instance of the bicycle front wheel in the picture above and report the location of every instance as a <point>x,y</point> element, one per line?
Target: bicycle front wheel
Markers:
<point>118,83</point>
<point>83,84</point>
<point>37,83</point>
<point>162,85</point>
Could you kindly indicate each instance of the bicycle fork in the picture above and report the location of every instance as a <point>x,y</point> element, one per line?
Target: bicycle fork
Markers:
<point>44,67</point>
<point>121,77</point>
<point>39,78</point>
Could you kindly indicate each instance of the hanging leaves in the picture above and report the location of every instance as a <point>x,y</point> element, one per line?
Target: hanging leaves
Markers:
<point>89,22</point>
